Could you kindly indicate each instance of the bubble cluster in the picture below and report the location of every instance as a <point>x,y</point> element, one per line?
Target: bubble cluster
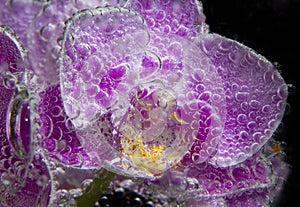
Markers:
<point>12,59</point>
<point>23,14</point>
<point>184,19</point>
<point>112,64</point>
<point>23,176</point>
<point>56,132</point>
<point>133,103</point>
<point>255,98</point>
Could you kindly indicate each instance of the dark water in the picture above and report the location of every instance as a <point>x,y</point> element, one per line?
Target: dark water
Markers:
<point>270,27</point>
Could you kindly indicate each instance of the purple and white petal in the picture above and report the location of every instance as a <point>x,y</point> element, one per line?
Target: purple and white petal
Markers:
<point>12,51</point>
<point>255,98</point>
<point>111,63</point>
<point>25,178</point>
<point>18,15</point>
<point>56,133</point>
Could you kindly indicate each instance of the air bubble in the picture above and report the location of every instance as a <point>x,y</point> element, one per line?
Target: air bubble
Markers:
<point>216,98</point>
<point>225,46</point>
<point>254,104</point>
<point>76,193</point>
<point>251,125</point>
<point>42,180</point>
<point>280,105</point>
<point>241,96</point>
<point>47,31</point>
<point>282,91</point>
<point>242,118</point>
<point>160,15</point>
<point>9,81</point>
<point>240,174</point>
<point>19,125</point>
<point>244,134</point>
<point>268,77</point>
<point>266,109</point>
<point>205,96</point>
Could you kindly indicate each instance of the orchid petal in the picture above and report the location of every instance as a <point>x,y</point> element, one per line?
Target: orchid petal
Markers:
<point>255,98</point>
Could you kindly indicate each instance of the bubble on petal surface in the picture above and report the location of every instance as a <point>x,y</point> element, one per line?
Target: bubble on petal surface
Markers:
<point>23,14</point>
<point>57,134</point>
<point>125,68</point>
<point>11,57</point>
<point>20,172</point>
<point>241,66</point>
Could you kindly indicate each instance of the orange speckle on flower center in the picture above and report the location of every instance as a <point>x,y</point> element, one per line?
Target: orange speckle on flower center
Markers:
<point>178,119</point>
<point>276,148</point>
<point>137,149</point>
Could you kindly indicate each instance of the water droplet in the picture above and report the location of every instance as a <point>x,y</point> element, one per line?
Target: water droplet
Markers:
<point>268,76</point>
<point>280,105</point>
<point>244,134</point>
<point>63,196</point>
<point>83,50</point>
<point>119,192</point>
<point>137,202</point>
<point>86,183</point>
<point>18,123</point>
<point>240,174</point>
<point>225,45</point>
<point>282,91</point>
<point>196,158</point>
<point>167,29</point>
<point>76,193</point>
<point>42,180</point>
<point>266,109</point>
<point>234,57</point>
<point>254,104</point>
<point>205,96</point>
<point>260,170</point>
<point>241,96</point>
<point>244,106</point>
<point>242,118</point>
<point>160,15</point>
<point>251,125</point>
<point>9,81</point>
<point>251,58</point>
<point>47,31</point>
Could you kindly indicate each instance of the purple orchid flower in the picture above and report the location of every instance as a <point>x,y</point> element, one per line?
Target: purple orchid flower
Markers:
<point>140,88</point>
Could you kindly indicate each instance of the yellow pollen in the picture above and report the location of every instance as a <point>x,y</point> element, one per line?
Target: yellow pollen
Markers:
<point>276,148</point>
<point>175,116</point>
<point>137,149</point>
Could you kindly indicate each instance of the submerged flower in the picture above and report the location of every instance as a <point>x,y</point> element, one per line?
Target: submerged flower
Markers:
<point>142,89</point>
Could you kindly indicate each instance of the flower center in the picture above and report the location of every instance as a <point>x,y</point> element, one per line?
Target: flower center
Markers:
<point>151,129</point>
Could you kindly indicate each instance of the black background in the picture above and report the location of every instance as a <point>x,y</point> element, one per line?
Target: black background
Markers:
<point>270,27</point>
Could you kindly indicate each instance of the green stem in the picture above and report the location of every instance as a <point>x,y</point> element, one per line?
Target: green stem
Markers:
<point>96,189</point>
